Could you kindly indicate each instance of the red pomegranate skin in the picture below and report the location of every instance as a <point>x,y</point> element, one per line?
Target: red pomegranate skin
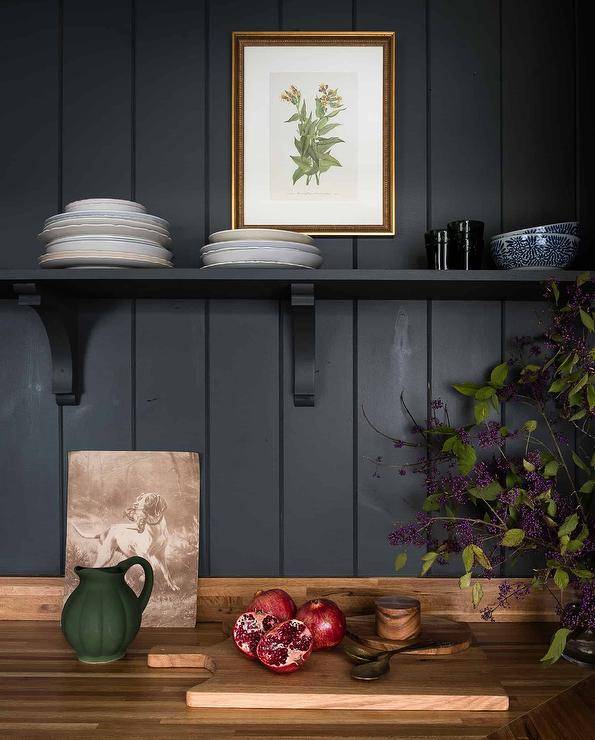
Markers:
<point>249,629</point>
<point>274,601</point>
<point>325,620</point>
<point>286,647</point>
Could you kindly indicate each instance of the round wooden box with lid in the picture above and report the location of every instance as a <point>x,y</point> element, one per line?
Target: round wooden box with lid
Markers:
<point>398,617</point>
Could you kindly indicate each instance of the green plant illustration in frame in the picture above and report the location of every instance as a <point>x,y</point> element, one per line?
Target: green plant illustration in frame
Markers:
<point>313,144</point>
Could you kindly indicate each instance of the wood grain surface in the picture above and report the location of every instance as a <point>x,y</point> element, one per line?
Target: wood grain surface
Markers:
<point>362,630</point>
<point>219,599</point>
<point>46,693</point>
<point>324,682</point>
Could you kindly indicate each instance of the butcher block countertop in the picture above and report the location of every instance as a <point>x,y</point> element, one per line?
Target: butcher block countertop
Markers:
<point>45,692</point>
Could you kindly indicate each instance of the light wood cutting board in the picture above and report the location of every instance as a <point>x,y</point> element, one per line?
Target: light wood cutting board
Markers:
<point>453,682</point>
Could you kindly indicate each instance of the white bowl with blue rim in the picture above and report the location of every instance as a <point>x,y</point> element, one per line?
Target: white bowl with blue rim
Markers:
<point>572,228</point>
<point>532,251</point>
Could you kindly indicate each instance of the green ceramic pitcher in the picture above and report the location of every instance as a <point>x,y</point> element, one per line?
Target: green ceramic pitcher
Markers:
<point>103,614</point>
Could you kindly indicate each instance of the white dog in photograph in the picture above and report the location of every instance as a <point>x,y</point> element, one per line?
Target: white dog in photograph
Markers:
<point>148,538</point>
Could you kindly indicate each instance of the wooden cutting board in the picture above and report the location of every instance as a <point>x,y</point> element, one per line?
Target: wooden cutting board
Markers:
<point>362,629</point>
<point>454,682</point>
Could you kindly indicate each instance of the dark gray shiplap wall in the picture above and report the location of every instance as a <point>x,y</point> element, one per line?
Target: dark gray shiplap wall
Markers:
<point>131,98</point>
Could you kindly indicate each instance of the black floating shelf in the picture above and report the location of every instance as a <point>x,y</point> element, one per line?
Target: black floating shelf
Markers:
<point>54,295</point>
<point>276,284</point>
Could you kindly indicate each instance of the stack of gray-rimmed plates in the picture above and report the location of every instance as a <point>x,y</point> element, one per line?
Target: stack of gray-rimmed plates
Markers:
<point>260,248</point>
<point>105,232</point>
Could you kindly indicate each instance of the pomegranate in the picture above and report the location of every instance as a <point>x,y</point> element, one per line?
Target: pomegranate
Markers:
<point>275,601</point>
<point>325,620</point>
<point>249,629</point>
<point>286,647</point>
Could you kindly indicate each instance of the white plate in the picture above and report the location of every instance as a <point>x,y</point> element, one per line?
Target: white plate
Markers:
<point>258,244</point>
<point>82,217</point>
<point>274,234</point>
<point>256,264</point>
<point>115,229</point>
<point>135,248</point>
<point>105,204</point>
<point>101,242</point>
<point>113,259</point>
<point>288,256</point>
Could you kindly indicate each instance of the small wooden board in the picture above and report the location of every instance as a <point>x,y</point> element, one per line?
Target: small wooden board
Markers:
<point>458,682</point>
<point>362,629</point>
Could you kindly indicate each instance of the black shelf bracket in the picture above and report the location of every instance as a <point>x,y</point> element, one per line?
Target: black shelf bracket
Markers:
<point>60,319</point>
<point>304,343</point>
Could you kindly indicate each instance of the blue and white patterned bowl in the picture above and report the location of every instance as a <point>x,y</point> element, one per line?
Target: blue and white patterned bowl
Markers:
<point>534,250</point>
<point>573,228</point>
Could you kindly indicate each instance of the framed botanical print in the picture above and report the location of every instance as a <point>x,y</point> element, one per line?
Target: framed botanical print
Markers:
<point>313,132</point>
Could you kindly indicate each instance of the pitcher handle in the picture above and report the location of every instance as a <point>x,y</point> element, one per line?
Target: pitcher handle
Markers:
<point>143,597</point>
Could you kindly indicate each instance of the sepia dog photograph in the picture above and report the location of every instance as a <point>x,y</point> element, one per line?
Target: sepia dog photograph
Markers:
<point>122,504</point>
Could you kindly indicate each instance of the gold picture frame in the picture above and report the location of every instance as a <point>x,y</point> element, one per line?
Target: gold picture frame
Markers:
<point>384,222</point>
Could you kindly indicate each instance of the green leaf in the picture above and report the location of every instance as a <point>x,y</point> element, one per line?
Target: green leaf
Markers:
<point>561,578</point>
<point>551,508</point>
<point>513,537</point>
<point>329,159</point>
<point>551,469</point>
<point>487,493</point>
<point>327,128</point>
<point>582,413</point>
<point>476,593</point>
<point>559,385</point>
<point>583,573</point>
<point>466,459</point>
<point>467,389</point>
<point>467,555</point>
<point>580,385</point>
<point>557,645</point>
<point>587,487</point>
<point>499,375</point>
<point>484,393</point>
<point>583,278</point>
<point>579,463</point>
<point>465,581</point>
<point>587,319</point>
<point>574,545</point>
<point>333,113</point>
<point>297,174</point>
<point>555,291</point>
<point>481,557</point>
<point>431,502</point>
<point>530,425</point>
<point>481,411</point>
<point>529,467</point>
<point>449,444</point>
<point>400,561</point>
<point>428,561</point>
<point>568,525</point>
<point>564,542</point>
<point>591,397</point>
<point>295,117</point>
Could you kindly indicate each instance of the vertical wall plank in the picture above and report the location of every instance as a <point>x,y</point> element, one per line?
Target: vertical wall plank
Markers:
<point>465,112</point>
<point>585,22</point>
<point>318,452</point>
<point>30,80</point>
<point>408,19</point>
<point>31,523</point>
<point>97,128</point>
<point>244,438</point>
<point>97,161</point>
<point>538,151</point>
<point>392,359</point>
<point>170,119</point>
<point>170,386</point>
<point>243,444</point>
<point>334,15</point>
<point>466,344</point>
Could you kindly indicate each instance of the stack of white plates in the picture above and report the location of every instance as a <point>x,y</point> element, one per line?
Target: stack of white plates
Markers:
<point>105,232</point>
<point>260,248</point>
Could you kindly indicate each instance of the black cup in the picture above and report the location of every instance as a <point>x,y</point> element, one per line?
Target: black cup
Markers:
<point>466,240</point>
<point>437,243</point>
